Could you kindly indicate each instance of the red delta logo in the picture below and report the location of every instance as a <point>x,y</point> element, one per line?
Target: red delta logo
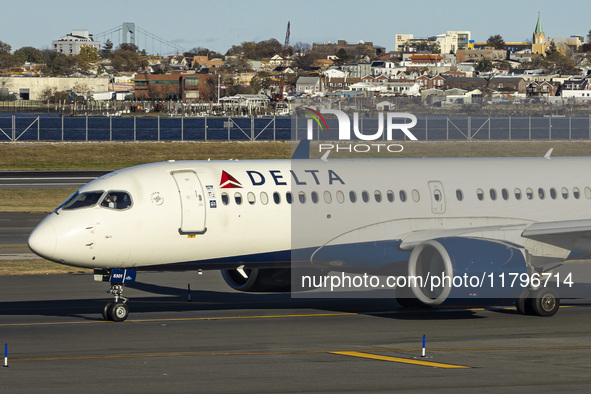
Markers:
<point>229,182</point>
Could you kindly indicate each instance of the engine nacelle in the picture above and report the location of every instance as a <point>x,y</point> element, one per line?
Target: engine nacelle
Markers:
<point>466,270</point>
<point>259,279</point>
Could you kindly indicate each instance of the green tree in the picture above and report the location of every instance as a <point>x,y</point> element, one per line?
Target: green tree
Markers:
<point>4,47</point>
<point>496,41</point>
<point>557,62</point>
<point>127,58</point>
<point>51,95</point>
<point>7,61</point>
<point>29,54</point>
<point>343,56</point>
<point>59,64</point>
<point>88,54</point>
<point>107,48</point>
<point>483,65</point>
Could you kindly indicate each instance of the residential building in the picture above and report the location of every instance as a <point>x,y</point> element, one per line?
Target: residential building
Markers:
<point>452,41</point>
<point>400,41</point>
<point>200,62</point>
<point>467,83</point>
<point>334,73</point>
<point>475,55</point>
<point>309,85</point>
<point>542,89</point>
<point>508,84</point>
<point>336,84</point>
<point>70,44</point>
<point>430,82</point>
<point>329,48</point>
<point>388,69</point>
<point>576,87</point>
<point>174,86</point>
<point>357,70</point>
<point>424,59</point>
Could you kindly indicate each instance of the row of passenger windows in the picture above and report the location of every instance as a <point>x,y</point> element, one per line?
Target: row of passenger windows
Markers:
<point>389,196</point>
<point>327,196</point>
<point>530,193</point>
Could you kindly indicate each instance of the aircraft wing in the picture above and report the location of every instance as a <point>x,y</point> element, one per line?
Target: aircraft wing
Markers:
<point>567,234</point>
<point>413,239</point>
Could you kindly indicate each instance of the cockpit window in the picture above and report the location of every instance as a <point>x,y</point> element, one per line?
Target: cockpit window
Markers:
<point>82,200</point>
<point>116,200</point>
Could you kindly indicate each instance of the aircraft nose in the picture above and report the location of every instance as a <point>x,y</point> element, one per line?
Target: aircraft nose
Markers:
<point>43,240</point>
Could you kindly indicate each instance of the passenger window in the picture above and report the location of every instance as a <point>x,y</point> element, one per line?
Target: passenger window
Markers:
<point>529,193</point>
<point>314,197</point>
<point>553,193</point>
<point>327,197</point>
<point>302,197</point>
<point>576,193</point>
<point>340,197</point>
<point>505,194</point>
<point>276,197</point>
<point>83,200</point>
<point>402,195</point>
<point>541,193</point>
<point>480,194</point>
<point>238,198</point>
<point>588,193</point>
<point>365,196</point>
<point>377,195</point>
<point>352,196</point>
<point>437,195</point>
<point>459,195</point>
<point>517,193</point>
<point>225,199</point>
<point>116,200</point>
<point>288,197</point>
<point>415,195</point>
<point>493,194</point>
<point>264,198</point>
<point>251,198</point>
<point>390,195</point>
<point>564,192</point>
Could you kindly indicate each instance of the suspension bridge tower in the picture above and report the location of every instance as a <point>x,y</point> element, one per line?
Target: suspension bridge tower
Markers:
<point>128,28</point>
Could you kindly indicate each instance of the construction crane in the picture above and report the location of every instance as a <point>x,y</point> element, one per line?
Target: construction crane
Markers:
<point>284,57</point>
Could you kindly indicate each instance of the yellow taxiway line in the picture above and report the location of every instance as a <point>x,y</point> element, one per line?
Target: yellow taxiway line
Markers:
<point>400,360</point>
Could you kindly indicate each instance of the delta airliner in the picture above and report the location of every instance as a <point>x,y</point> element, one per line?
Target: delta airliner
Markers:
<point>254,220</point>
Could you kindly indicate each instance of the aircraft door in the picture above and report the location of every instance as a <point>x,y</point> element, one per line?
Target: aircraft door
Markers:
<point>437,197</point>
<point>192,201</point>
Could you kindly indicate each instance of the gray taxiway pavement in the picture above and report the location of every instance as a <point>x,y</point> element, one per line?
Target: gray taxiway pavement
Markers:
<point>227,341</point>
<point>14,232</point>
<point>47,179</point>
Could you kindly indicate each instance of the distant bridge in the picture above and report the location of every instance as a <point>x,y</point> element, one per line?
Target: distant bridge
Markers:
<point>129,33</point>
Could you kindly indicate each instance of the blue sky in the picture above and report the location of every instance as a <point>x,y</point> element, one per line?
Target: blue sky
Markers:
<point>220,24</point>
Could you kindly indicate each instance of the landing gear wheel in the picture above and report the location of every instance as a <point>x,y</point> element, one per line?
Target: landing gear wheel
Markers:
<point>544,302</point>
<point>524,304</point>
<point>106,310</point>
<point>118,311</point>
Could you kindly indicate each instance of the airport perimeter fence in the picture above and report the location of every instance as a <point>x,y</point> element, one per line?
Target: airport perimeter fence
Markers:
<point>49,127</point>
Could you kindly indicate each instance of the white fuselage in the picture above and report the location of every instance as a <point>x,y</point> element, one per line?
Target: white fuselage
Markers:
<point>217,213</point>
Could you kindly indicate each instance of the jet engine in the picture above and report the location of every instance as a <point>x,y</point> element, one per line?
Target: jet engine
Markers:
<point>465,271</point>
<point>258,279</point>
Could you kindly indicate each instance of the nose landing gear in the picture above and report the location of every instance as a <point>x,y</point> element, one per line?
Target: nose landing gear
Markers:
<point>117,310</point>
